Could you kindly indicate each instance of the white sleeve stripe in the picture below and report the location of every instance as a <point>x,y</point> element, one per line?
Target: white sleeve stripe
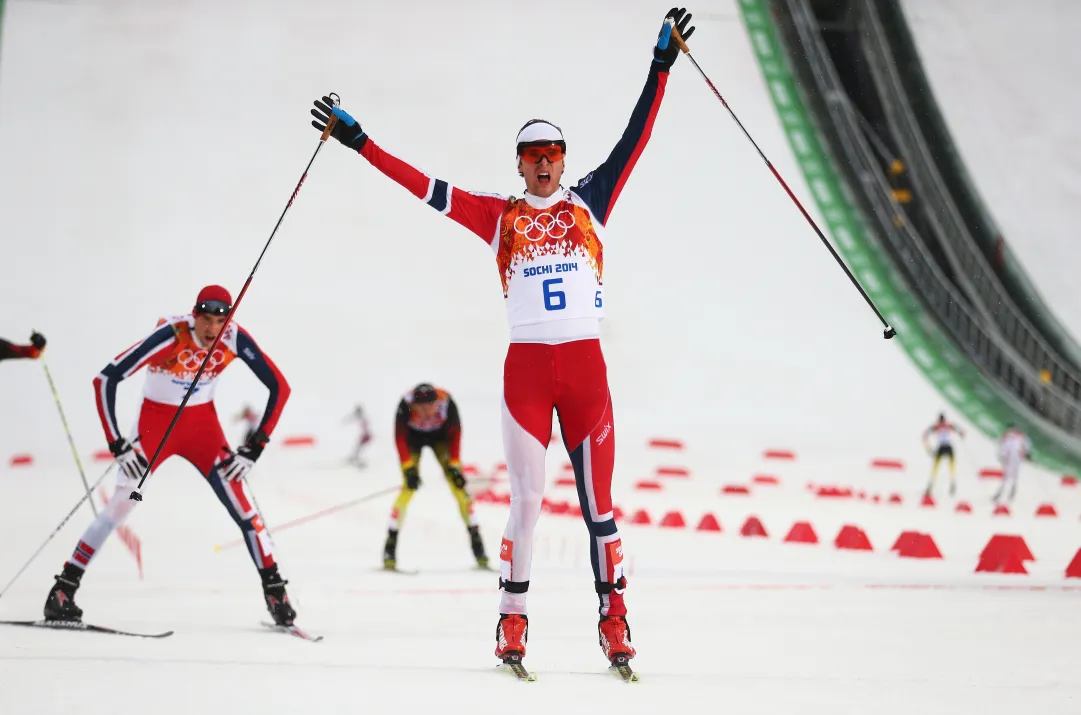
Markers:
<point>144,361</point>
<point>109,418</point>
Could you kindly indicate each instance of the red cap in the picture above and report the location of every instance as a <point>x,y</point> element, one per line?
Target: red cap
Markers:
<point>214,293</point>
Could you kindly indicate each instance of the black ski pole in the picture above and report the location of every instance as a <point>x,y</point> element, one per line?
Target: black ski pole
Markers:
<point>888,331</point>
<point>136,495</point>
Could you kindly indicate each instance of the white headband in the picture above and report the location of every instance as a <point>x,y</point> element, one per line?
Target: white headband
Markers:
<point>539,132</point>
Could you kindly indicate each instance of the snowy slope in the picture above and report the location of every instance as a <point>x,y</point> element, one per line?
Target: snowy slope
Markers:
<point>1004,81</point>
<point>148,149</point>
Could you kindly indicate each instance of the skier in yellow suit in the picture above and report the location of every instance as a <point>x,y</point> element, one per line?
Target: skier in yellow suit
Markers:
<point>428,417</point>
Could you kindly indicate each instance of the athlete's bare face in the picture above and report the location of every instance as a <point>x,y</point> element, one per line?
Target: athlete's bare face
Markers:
<point>207,327</point>
<point>541,178</point>
<point>426,410</point>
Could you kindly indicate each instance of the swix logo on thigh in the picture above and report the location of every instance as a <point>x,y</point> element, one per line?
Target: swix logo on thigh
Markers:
<point>506,550</point>
<point>604,434</point>
<point>613,550</point>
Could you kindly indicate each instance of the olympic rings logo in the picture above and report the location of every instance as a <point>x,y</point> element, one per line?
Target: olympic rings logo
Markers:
<point>191,361</point>
<point>544,225</point>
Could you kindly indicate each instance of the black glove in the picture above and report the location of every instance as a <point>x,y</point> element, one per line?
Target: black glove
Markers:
<point>456,477</point>
<point>37,340</point>
<point>237,465</point>
<point>346,130</point>
<point>666,51</point>
<point>412,478</point>
<point>131,463</point>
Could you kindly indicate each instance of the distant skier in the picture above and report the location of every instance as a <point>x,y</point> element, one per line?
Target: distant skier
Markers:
<point>172,354</point>
<point>363,438</point>
<point>1014,447</point>
<point>941,434</point>
<point>428,417</point>
<point>548,247</point>
<point>251,420</point>
<point>11,351</point>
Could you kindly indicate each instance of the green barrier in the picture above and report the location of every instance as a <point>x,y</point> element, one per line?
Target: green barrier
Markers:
<point>930,349</point>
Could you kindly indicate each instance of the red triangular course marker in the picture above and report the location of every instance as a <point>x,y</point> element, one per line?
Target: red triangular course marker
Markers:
<point>852,537</point>
<point>903,538</point>
<point>920,546</point>
<point>753,527</point>
<point>709,523</point>
<point>673,519</point>
<point>1074,569</point>
<point>801,533</point>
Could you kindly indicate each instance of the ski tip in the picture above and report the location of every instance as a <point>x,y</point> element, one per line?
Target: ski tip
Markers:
<point>293,630</point>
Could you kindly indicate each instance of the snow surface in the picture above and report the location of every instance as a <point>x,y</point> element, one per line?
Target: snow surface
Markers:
<point>148,150</point>
<point>1006,83</point>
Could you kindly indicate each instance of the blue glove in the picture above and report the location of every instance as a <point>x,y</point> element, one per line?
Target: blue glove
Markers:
<point>666,51</point>
<point>347,130</point>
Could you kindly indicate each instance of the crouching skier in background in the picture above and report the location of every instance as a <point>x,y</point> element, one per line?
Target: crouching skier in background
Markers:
<point>548,249</point>
<point>428,417</point>
<point>172,355</point>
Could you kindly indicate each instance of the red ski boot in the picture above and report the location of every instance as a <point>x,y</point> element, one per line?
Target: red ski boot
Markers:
<point>511,635</point>
<point>615,637</point>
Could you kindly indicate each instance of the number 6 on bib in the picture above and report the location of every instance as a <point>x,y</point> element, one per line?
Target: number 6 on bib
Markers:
<point>554,299</point>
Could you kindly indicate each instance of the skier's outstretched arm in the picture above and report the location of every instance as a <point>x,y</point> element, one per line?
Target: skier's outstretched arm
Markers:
<point>477,212</point>
<point>601,187</point>
<point>10,351</point>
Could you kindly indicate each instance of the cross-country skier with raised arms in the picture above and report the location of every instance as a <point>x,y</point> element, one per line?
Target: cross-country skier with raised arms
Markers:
<point>548,246</point>
<point>172,355</point>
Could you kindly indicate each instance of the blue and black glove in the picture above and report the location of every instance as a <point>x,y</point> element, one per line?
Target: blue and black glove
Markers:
<point>666,50</point>
<point>347,130</point>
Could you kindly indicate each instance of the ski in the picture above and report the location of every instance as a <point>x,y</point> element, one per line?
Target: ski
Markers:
<point>292,630</point>
<point>513,665</point>
<point>80,626</point>
<point>622,667</point>
<point>395,569</point>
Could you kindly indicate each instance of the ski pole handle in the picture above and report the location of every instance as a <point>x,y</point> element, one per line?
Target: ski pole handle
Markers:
<point>335,100</point>
<point>679,40</point>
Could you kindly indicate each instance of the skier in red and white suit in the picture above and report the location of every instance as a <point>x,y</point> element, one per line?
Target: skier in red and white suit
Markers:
<point>548,246</point>
<point>172,355</point>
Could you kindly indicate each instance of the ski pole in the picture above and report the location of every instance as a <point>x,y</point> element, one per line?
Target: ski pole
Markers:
<point>888,332</point>
<point>55,531</point>
<point>67,431</point>
<point>317,515</point>
<point>136,494</point>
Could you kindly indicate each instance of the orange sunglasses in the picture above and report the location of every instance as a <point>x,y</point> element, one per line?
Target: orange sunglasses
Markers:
<point>533,154</point>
